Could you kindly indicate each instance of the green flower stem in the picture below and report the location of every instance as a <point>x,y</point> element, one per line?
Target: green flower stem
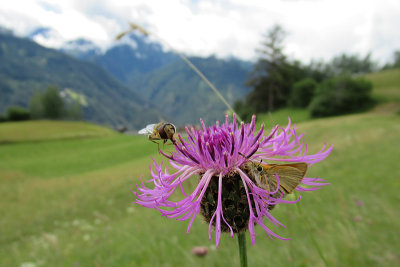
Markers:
<point>308,227</point>
<point>242,249</point>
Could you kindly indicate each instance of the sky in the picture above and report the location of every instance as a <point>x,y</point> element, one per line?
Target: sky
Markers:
<point>316,29</point>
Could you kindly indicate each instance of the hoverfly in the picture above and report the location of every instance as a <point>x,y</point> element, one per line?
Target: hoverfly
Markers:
<point>161,131</point>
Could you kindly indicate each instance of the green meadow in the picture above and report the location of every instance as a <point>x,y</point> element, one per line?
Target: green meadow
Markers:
<point>66,197</point>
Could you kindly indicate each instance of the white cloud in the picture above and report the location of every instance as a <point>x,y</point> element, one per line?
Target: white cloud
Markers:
<point>316,28</point>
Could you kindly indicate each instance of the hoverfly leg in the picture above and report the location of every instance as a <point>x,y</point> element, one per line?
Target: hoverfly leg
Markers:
<point>158,144</point>
<point>173,142</point>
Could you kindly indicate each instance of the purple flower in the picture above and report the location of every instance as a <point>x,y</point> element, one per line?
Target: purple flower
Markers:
<point>226,194</point>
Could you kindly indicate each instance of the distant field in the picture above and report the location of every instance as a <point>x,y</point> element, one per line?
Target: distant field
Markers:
<point>386,84</point>
<point>281,116</point>
<point>49,130</point>
<point>68,203</point>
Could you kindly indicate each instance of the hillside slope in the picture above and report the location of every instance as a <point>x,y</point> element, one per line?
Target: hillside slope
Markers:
<point>25,67</point>
<point>164,79</point>
<point>181,94</point>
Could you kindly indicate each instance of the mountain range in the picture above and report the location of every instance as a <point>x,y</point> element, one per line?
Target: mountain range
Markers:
<point>133,82</point>
<point>26,66</point>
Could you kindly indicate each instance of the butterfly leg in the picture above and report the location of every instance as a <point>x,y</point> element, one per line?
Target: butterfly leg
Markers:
<point>269,188</point>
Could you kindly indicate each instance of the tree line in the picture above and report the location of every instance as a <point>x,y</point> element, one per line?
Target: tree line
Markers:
<point>325,89</point>
<point>47,105</point>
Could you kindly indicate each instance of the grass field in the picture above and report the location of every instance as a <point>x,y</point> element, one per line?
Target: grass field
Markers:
<point>67,201</point>
<point>34,131</point>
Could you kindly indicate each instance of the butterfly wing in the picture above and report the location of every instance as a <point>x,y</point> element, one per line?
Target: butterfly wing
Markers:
<point>148,129</point>
<point>290,176</point>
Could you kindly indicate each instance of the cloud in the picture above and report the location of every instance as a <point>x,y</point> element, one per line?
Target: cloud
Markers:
<point>316,28</point>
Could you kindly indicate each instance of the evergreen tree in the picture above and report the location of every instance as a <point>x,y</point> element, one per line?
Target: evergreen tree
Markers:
<point>351,64</point>
<point>266,77</point>
<point>273,74</point>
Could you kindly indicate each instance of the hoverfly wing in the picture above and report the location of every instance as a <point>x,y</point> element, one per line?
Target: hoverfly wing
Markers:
<point>148,129</point>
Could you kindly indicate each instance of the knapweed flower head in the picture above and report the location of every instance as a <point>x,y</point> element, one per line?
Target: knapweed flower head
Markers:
<point>227,194</point>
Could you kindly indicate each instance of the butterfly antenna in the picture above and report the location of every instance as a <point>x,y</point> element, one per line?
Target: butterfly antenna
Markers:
<point>260,162</point>
<point>243,155</point>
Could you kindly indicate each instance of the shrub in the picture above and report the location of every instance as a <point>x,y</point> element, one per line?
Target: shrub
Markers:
<point>36,106</point>
<point>53,104</point>
<point>3,118</point>
<point>341,95</point>
<point>302,92</point>
<point>244,110</point>
<point>74,111</point>
<point>17,114</point>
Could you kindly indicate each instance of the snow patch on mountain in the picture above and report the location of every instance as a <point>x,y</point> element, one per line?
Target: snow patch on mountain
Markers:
<point>47,37</point>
